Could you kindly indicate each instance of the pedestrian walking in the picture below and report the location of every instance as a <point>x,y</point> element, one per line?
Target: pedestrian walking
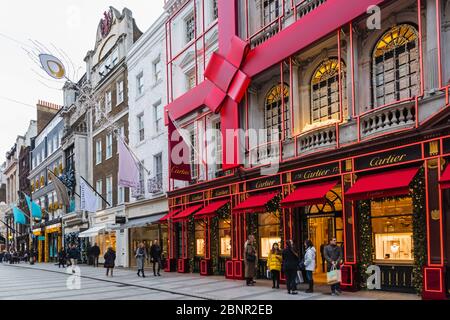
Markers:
<point>141,256</point>
<point>290,266</point>
<point>73,254</point>
<point>95,253</point>
<point>333,255</point>
<point>62,258</point>
<point>250,260</point>
<point>274,261</point>
<point>155,255</point>
<point>110,258</point>
<point>310,264</point>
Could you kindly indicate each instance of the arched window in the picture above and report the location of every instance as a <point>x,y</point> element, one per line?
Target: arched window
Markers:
<point>396,65</point>
<point>325,91</point>
<point>273,114</point>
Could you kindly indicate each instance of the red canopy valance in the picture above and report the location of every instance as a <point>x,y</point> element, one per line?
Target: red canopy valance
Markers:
<point>307,195</point>
<point>169,216</point>
<point>254,204</point>
<point>384,184</point>
<point>184,215</point>
<point>210,209</point>
<point>445,178</point>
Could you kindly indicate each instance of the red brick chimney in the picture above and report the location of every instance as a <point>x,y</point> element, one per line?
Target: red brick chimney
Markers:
<point>45,113</point>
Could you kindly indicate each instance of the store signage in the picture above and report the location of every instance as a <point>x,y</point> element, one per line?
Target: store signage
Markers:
<point>196,197</point>
<point>391,157</point>
<point>220,192</point>
<point>41,238</point>
<point>316,172</point>
<point>446,144</point>
<point>268,182</point>
<point>121,220</point>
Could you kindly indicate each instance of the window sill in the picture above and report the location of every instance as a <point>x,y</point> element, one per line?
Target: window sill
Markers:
<point>156,83</point>
<point>155,136</point>
<point>139,96</point>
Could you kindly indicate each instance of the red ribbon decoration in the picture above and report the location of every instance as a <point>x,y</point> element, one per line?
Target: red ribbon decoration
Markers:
<point>226,78</point>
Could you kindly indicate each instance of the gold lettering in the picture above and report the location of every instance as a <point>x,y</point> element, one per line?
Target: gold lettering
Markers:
<point>391,159</point>
<point>264,184</point>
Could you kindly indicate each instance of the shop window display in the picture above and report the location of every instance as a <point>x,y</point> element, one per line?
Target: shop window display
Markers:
<point>225,237</point>
<point>392,229</point>
<point>199,238</point>
<point>269,232</point>
<point>146,235</point>
<point>106,240</point>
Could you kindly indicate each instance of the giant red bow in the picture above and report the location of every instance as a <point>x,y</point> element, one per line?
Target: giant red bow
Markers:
<point>223,72</point>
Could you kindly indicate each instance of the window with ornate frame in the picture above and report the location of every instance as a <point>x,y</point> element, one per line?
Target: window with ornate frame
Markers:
<point>190,28</point>
<point>274,115</point>
<point>325,101</point>
<point>395,69</point>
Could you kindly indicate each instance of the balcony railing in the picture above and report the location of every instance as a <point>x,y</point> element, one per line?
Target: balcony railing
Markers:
<point>389,118</point>
<point>321,138</point>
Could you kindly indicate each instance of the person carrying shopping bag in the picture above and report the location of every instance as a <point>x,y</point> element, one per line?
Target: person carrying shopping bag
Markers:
<point>274,264</point>
<point>333,255</point>
<point>310,264</point>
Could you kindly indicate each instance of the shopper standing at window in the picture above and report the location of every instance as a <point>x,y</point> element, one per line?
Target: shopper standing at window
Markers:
<point>290,266</point>
<point>333,255</point>
<point>274,265</point>
<point>310,264</point>
<point>250,260</point>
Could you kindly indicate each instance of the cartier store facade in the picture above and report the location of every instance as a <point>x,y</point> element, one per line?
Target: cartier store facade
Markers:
<point>388,210</point>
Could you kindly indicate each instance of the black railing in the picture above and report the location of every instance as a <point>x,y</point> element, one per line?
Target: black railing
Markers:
<point>262,269</point>
<point>221,266</point>
<point>397,278</point>
<point>197,265</point>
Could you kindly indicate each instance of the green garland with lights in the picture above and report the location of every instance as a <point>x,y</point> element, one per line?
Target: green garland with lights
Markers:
<point>419,229</point>
<point>365,238</point>
<point>191,241</point>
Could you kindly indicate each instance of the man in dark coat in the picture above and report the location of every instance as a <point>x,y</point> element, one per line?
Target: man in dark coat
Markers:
<point>95,253</point>
<point>290,266</point>
<point>333,255</point>
<point>155,255</point>
<point>110,258</point>
<point>73,254</point>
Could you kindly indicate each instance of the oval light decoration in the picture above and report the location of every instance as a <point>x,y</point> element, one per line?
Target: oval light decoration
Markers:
<point>53,66</point>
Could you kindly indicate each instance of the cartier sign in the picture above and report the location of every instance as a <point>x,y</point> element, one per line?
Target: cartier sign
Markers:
<point>220,192</point>
<point>196,197</point>
<point>391,157</point>
<point>316,172</point>
<point>263,183</point>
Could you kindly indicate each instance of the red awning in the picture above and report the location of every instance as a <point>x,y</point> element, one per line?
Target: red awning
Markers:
<point>186,213</point>
<point>307,195</point>
<point>380,185</point>
<point>445,178</point>
<point>254,204</point>
<point>211,209</point>
<point>169,215</point>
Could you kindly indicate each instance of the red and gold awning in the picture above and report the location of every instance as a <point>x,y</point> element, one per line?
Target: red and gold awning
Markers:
<point>169,216</point>
<point>384,184</point>
<point>211,209</point>
<point>307,195</point>
<point>186,213</point>
<point>255,204</point>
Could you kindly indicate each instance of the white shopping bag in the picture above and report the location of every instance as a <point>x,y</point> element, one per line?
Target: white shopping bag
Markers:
<point>299,278</point>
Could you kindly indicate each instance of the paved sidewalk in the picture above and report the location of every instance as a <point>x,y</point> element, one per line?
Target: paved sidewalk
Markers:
<point>46,281</point>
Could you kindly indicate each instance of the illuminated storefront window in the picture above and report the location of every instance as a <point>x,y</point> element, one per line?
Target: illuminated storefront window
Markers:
<point>225,237</point>
<point>199,238</point>
<point>146,235</point>
<point>269,232</point>
<point>106,240</point>
<point>393,230</point>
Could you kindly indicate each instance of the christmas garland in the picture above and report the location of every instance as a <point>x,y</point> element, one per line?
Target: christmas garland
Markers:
<point>419,229</point>
<point>223,213</point>
<point>191,242</point>
<point>365,235</point>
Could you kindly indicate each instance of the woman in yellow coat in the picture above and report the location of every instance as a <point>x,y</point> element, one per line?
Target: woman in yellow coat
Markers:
<point>274,265</point>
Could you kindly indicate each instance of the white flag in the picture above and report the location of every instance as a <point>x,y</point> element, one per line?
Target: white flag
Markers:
<point>88,197</point>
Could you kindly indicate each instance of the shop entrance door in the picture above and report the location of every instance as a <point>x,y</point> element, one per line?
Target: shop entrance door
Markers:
<point>321,229</point>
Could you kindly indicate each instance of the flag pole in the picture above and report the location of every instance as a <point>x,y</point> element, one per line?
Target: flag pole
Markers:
<point>95,191</point>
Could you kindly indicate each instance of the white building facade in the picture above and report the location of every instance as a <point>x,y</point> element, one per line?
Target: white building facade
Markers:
<point>147,139</point>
